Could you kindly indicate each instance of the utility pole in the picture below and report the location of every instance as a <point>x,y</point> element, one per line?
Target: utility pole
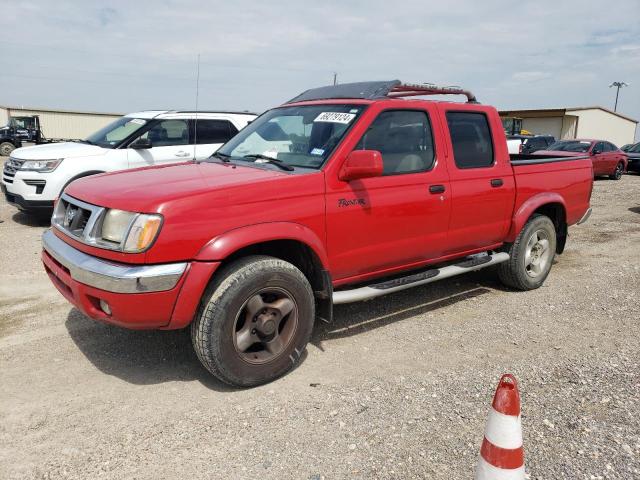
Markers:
<point>618,86</point>
<point>335,78</point>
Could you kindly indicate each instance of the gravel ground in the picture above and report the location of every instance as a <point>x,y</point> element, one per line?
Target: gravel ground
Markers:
<point>398,387</point>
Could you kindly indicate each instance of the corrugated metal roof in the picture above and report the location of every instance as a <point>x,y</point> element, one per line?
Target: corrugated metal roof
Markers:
<point>57,110</point>
<point>563,111</point>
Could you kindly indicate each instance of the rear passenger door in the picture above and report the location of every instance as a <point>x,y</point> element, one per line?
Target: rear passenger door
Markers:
<point>482,183</point>
<point>211,134</point>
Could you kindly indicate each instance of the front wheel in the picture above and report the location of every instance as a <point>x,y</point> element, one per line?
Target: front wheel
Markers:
<point>254,322</point>
<point>6,148</point>
<point>531,254</point>
<point>617,173</point>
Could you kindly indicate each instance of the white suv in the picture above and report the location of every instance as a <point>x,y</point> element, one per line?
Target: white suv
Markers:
<point>34,177</point>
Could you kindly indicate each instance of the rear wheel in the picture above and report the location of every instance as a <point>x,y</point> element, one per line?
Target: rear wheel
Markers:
<point>254,321</point>
<point>531,254</point>
<point>6,148</point>
<point>617,173</point>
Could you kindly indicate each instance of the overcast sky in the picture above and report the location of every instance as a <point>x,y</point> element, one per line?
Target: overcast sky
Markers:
<point>123,56</point>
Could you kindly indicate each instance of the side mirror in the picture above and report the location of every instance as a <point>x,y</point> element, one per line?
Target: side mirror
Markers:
<point>141,144</point>
<point>361,164</point>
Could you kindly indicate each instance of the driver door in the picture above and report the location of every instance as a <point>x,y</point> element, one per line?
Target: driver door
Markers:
<point>599,159</point>
<point>400,218</point>
<point>169,144</point>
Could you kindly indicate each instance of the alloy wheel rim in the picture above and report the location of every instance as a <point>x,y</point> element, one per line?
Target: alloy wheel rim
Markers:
<point>265,325</point>
<point>537,254</point>
<point>619,170</point>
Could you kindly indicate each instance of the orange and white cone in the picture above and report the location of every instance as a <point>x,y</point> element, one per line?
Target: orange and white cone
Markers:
<point>501,454</point>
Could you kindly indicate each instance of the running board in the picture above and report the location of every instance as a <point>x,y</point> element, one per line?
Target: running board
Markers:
<point>469,264</point>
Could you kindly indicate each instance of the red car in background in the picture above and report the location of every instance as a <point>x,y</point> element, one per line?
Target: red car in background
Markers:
<point>607,159</point>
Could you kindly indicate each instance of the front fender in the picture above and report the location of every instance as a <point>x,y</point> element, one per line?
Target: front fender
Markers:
<point>229,242</point>
<point>525,211</point>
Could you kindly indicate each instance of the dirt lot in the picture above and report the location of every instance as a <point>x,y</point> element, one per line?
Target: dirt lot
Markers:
<point>398,387</point>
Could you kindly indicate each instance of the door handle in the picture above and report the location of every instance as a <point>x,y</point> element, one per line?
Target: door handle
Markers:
<point>436,189</point>
<point>496,182</point>
<point>182,153</point>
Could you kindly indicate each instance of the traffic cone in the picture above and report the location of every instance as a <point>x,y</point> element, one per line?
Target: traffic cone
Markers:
<point>501,454</point>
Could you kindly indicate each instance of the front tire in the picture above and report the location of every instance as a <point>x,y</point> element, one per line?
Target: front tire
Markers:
<point>531,254</point>
<point>617,173</point>
<point>6,148</point>
<point>254,321</point>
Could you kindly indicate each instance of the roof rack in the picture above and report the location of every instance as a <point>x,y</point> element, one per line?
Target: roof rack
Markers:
<point>377,90</point>
<point>414,90</point>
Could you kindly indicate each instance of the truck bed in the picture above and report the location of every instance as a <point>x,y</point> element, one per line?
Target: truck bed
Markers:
<point>570,178</point>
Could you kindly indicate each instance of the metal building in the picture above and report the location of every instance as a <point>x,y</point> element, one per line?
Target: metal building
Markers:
<point>579,122</point>
<point>61,123</point>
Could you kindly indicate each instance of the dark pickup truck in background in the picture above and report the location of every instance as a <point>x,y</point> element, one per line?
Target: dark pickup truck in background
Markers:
<point>342,194</point>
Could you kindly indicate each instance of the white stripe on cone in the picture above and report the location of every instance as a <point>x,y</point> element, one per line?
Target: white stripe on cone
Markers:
<point>503,431</point>
<point>486,471</point>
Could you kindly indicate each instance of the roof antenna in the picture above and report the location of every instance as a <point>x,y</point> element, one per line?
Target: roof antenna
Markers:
<point>195,123</point>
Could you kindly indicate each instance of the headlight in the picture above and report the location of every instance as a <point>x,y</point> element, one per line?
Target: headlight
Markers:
<point>143,232</point>
<point>41,165</point>
<point>134,232</point>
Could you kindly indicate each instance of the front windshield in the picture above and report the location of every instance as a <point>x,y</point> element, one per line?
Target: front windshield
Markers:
<point>301,136</point>
<point>111,135</point>
<point>635,148</point>
<point>570,146</point>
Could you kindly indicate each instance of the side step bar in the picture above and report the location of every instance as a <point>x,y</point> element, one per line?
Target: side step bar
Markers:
<point>469,264</point>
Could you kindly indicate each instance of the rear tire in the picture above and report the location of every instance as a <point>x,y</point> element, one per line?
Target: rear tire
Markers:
<point>254,321</point>
<point>617,173</point>
<point>6,148</point>
<point>531,254</point>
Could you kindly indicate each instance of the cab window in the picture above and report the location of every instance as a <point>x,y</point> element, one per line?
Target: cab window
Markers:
<point>404,139</point>
<point>471,139</point>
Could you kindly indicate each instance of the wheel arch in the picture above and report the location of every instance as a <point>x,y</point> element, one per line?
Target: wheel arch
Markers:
<point>291,242</point>
<point>549,204</point>
<point>79,176</point>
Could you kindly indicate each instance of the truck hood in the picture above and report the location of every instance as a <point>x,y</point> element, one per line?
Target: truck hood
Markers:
<point>152,189</point>
<point>58,150</point>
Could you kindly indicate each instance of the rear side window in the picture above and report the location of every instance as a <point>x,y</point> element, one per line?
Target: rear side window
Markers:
<point>403,137</point>
<point>471,139</point>
<point>214,131</point>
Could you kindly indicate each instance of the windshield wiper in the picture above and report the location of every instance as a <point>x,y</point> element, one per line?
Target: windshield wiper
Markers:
<point>222,156</point>
<point>271,160</point>
<point>88,142</point>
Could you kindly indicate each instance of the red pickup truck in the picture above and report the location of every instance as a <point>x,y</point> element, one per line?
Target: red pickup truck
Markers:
<point>344,193</point>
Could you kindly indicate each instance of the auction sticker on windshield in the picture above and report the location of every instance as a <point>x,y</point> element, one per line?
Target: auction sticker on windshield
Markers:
<point>335,117</point>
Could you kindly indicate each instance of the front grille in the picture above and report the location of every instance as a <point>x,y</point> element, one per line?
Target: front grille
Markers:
<point>11,166</point>
<point>76,218</point>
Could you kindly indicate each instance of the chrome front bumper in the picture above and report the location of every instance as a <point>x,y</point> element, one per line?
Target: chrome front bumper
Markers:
<point>112,277</point>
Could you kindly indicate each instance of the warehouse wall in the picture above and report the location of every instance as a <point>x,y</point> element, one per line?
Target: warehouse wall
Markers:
<point>596,123</point>
<point>543,125</point>
<point>59,124</point>
<point>569,127</point>
<point>4,116</point>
